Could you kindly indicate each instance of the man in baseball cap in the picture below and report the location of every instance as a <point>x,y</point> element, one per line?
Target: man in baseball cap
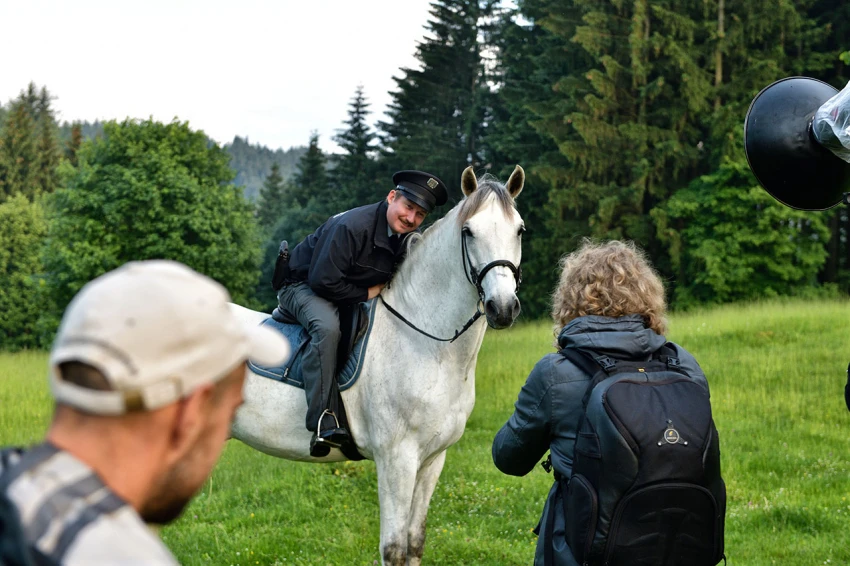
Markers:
<point>147,372</point>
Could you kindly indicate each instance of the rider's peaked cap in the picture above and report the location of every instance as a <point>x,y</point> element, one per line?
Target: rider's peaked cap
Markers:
<point>423,188</point>
<point>157,331</point>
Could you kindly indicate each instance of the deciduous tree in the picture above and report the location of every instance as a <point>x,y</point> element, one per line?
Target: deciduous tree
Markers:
<point>730,240</point>
<point>150,190</point>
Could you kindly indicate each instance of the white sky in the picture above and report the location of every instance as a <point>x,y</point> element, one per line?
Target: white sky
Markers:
<point>272,71</point>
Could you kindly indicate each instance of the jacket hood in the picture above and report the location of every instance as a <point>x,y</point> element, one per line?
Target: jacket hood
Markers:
<point>625,337</point>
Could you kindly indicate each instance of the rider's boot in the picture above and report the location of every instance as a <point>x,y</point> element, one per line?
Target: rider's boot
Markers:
<point>329,435</point>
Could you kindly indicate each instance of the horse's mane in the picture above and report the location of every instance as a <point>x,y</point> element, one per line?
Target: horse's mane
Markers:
<point>442,233</point>
<point>487,185</point>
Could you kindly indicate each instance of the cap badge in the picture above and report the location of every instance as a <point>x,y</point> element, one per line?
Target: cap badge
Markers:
<point>432,182</point>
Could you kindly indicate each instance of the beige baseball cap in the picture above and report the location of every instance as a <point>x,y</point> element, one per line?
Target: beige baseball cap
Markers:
<point>156,330</point>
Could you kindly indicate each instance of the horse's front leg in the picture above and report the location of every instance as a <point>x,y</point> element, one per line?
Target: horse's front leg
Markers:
<point>396,480</point>
<point>426,481</point>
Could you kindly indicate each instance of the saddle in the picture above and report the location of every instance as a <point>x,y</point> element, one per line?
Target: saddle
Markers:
<point>352,325</point>
<point>355,324</point>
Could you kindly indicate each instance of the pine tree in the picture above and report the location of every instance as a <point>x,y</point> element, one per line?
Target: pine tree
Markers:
<point>634,134</point>
<point>530,60</point>
<point>271,204</point>
<point>18,154</point>
<point>46,173</point>
<point>309,199</point>
<point>437,114</point>
<point>73,144</point>
<point>754,43</point>
<point>355,176</point>
<point>29,150</point>
<point>639,98</point>
<point>311,177</point>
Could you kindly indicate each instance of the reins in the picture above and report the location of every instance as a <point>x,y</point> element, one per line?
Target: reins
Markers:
<point>466,326</point>
<point>475,278</point>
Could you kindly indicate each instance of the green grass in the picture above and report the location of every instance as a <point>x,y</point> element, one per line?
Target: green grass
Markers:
<point>776,372</point>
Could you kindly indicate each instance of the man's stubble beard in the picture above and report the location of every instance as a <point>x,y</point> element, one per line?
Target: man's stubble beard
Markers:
<point>170,495</point>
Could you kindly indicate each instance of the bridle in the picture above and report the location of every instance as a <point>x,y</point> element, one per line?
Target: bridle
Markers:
<point>476,278</point>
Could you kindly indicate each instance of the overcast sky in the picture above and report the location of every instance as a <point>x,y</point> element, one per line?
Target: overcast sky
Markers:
<point>271,71</point>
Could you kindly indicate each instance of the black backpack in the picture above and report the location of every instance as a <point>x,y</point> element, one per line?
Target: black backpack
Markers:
<point>645,487</point>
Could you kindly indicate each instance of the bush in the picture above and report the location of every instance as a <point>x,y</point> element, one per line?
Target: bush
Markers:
<point>22,232</point>
<point>729,240</point>
<point>149,190</point>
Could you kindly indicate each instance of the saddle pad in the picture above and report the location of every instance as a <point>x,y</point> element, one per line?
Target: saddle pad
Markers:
<point>290,371</point>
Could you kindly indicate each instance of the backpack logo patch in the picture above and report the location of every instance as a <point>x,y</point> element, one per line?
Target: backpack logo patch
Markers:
<point>672,436</point>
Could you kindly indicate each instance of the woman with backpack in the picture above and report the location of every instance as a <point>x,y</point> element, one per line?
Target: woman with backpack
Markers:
<point>626,418</point>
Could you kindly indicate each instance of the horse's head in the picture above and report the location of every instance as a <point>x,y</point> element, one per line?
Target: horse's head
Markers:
<point>491,235</point>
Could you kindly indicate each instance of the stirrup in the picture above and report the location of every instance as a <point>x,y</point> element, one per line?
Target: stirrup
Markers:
<point>335,436</point>
<point>322,417</point>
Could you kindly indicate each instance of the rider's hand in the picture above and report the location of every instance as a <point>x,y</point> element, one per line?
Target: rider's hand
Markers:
<point>375,290</point>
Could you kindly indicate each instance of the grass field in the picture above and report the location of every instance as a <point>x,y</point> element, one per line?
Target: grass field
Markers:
<point>776,372</point>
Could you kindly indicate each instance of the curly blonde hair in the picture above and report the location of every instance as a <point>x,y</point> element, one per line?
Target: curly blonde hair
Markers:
<point>609,279</point>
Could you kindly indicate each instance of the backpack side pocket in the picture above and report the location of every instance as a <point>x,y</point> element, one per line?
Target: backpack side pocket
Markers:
<point>581,510</point>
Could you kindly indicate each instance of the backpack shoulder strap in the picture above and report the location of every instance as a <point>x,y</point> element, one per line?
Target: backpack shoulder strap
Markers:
<point>667,355</point>
<point>598,368</point>
<point>582,360</point>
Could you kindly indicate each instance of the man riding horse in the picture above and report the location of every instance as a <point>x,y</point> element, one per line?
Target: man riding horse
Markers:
<point>348,260</point>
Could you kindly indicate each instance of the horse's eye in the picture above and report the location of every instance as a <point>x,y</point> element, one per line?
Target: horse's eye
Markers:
<point>520,231</point>
<point>467,232</point>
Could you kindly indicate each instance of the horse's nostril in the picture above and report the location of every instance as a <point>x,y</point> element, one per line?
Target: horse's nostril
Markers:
<point>490,308</point>
<point>515,308</point>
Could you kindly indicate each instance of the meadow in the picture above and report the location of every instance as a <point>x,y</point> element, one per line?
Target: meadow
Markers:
<point>776,372</point>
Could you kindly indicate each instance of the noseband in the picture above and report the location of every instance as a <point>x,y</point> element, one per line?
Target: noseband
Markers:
<point>476,278</point>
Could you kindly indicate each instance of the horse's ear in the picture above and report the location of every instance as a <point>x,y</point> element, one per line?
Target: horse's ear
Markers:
<point>468,182</point>
<point>516,182</point>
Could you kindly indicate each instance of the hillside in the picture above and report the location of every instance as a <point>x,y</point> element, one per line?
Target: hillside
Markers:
<point>252,162</point>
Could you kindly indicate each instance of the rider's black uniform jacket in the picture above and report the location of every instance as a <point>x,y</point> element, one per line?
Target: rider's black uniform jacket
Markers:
<point>346,255</point>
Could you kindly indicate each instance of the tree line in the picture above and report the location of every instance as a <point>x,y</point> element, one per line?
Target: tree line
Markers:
<point>627,117</point>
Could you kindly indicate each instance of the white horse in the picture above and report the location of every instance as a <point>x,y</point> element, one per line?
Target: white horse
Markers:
<point>414,394</point>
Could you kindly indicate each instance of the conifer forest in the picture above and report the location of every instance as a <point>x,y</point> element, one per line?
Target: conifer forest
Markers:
<point>627,116</point>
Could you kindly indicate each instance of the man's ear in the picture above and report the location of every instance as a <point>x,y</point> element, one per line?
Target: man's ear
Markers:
<point>189,420</point>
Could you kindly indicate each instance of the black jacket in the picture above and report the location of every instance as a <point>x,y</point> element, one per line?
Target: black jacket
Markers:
<point>346,255</point>
<point>549,408</point>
